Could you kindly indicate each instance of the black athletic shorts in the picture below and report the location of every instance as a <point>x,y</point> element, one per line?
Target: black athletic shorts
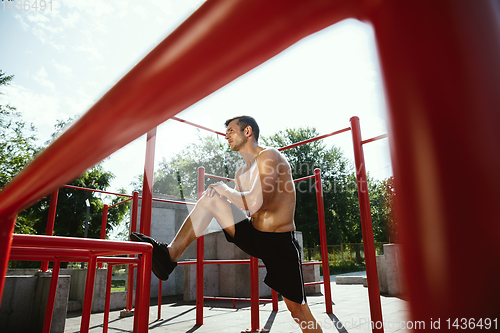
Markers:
<point>280,253</point>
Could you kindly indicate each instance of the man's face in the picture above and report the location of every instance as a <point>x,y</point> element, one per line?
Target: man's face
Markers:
<point>235,136</point>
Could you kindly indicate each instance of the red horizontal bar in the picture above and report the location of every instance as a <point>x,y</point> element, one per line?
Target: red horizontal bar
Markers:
<point>114,247</point>
<point>219,177</point>
<point>18,250</point>
<point>119,203</point>
<point>303,178</point>
<point>173,201</point>
<point>41,257</point>
<point>118,260</point>
<point>94,190</point>
<point>235,262</point>
<point>383,136</point>
<point>261,300</point>
<point>314,139</point>
<point>312,263</point>
<point>313,283</point>
<point>196,125</point>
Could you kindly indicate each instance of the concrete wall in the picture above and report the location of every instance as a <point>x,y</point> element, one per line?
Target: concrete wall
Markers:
<point>392,253</point>
<point>17,303</point>
<point>118,300</point>
<point>166,220</point>
<point>25,299</point>
<point>389,271</point>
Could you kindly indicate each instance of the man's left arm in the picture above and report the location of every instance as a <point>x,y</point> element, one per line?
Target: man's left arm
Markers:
<point>263,187</point>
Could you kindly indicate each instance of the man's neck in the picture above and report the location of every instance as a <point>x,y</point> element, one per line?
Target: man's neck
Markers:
<point>250,152</point>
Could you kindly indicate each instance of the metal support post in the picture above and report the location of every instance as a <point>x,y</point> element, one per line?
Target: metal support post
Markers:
<point>274,294</point>
<point>367,228</point>
<point>49,310</point>
<point>89,292</point>
<point>104,224</point>
<point>254,294</point>
<point>133,227</point>
<point>50,223</point>
<point>199,256</point>
<point>322,236</point>
<point>147,186</point>
<point>107,300</point>
<point>160,287</point>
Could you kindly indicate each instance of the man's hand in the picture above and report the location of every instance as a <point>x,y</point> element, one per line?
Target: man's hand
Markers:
<point>218,188</point>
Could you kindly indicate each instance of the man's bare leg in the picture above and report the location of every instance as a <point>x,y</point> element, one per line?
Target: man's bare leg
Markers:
<point>198,220</point>
<point>301,314</point>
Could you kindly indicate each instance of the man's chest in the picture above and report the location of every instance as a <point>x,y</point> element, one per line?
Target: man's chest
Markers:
<point>247,177</point>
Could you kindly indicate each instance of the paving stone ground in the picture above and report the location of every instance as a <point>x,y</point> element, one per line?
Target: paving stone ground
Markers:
<point>351,313</point>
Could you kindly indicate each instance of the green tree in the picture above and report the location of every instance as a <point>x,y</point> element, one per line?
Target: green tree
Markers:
<point>17,148</point>
<point>179,175</point>
<point>71,204</point>
<point>381,201</point>
<point>71,207</point>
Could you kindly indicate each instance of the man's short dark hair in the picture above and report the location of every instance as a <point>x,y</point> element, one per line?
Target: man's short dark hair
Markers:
<point>243,122</point>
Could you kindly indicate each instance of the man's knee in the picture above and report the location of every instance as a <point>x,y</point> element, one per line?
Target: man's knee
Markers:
<point>296,310</point>
<point>207,202</point>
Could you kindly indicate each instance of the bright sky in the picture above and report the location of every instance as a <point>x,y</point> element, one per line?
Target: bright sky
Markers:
<point>66,57</point>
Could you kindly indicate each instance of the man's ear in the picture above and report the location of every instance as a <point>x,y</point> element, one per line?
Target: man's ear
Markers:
<point>248,130</point>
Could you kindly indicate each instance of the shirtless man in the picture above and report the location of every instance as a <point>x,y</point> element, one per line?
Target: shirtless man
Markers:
<point>265,188</point>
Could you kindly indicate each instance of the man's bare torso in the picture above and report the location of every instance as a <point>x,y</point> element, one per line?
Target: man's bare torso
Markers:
<point>278,207</point>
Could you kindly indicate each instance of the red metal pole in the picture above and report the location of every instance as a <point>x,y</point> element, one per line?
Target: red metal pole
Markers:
<point>135,208</point>
<point>133,227</point>
<point>142,294</point>
<point>322,239</point>
<point>196,125</point>
<point>108,299</point>
<point>254,294</point>
<point>199,256</point>
<point>95,191</point>
<point>89,292</point>
<point>49,310</point>
<point>147,187</point>
<point>138,294</point>
<point>144,288</point>
<point>274,294</point>
<point>367,228</point>
<point>104,224</point>
<point>50,223</point>
<point>441,73</point>
<point>313,139</point>
<point>159,297</point>
<point>7,224</point>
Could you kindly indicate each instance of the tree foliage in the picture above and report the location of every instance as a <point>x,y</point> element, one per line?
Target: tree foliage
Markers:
<point>18,146</point>
<point>179,175</point>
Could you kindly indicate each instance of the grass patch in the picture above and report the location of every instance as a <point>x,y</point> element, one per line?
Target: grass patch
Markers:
<point>344,267</point>
<point>117,285</point>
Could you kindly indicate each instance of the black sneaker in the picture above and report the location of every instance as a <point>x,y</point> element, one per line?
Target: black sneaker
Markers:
<point>162,264</point>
